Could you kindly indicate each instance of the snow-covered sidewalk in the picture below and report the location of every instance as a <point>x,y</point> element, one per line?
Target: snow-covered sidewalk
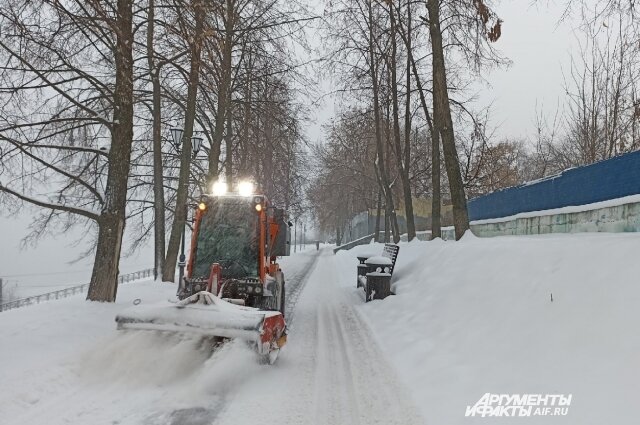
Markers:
<point>331,372</point>
<point>469,318</point>
<point>64,363</point>
<point>476,317</point>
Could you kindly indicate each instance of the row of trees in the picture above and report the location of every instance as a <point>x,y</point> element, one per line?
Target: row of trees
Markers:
<point>405,70</point>
<point>404,98</point>
<point>89,90</point>
<point>602,113</point>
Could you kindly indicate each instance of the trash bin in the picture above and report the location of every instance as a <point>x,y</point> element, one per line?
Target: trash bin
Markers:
<point>378,285</point>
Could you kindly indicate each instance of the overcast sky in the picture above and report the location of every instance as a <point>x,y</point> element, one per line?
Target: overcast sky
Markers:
<point>539,47</point>
<point>531,37</point>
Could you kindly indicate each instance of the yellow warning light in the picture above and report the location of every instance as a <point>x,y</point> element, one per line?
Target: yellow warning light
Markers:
<point>202,206</point>
<point>258,207</point>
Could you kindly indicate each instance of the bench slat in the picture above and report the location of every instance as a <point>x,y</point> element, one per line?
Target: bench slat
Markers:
<point>391,251</point>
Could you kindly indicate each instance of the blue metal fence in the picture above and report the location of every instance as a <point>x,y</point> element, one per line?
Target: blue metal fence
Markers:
<point>610,179</point>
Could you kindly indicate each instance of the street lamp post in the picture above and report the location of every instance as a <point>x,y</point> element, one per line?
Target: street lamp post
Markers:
<point>176,137</point>
<point>196,143</point>
<point>182,261</point>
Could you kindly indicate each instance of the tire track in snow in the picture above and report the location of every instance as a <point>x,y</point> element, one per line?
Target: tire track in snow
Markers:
<point>293,294</point>
<point>330,373</point>
<point>344,400</point>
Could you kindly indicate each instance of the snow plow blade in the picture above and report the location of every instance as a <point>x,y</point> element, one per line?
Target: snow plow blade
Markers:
<point>205,314</point>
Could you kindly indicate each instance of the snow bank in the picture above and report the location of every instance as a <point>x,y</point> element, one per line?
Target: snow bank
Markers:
<point>476,316</point>
<point>64,362</point>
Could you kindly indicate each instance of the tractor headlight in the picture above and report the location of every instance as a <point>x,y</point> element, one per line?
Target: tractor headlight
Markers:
<point>219,188</point>
<point>258,290</point>
<point>245,188</point>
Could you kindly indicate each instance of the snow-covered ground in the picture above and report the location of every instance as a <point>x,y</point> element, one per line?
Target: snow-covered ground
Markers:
<point>469,318</point>
<point>476,317</point>
<point>63,362</point>
<point>53,263</point>
<point>332,371</point>
<point>32,284</point>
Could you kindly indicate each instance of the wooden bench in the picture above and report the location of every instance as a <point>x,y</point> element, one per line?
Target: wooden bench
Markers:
<point>375,272</point>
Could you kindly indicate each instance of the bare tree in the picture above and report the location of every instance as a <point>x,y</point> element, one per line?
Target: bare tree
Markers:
<point>158,176</point>
<point>344,181</point>
<point>360,53</point>
<point>196,36</point>
<point>601,89</point>
<point>470,24</point>
<point>402,158</point>
<point>67,121</point>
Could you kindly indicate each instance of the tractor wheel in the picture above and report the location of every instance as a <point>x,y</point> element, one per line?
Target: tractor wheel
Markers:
<point>274,302</point>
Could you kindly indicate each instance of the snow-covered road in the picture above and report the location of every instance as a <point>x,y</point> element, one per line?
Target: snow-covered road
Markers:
<point>469,318</point>
<point>70,366</point>
<point>331,371</point>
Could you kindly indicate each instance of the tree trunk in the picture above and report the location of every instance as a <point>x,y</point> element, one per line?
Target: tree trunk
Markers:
<point>104,278</point>
<point>436,209</point>
<point>444,123</point>
<point>158,180</point>
<point>224,92</point>
<point>403,169</point>
<point>243,168</point>
<point>378,214</point>
<point>373,72</point>
<point>387,224</point>
<point>411,228</point>
<point>180,214</point>
<point>435,146</point>
<point>393,218</point>
<point>229,149</point>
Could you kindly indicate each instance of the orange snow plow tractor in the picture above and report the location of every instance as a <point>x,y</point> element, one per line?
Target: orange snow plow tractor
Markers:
<point>234,288</point>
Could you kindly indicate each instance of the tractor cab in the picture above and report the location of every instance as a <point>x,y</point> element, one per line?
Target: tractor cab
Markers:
<point>228,234</point>
<point>236,240</point>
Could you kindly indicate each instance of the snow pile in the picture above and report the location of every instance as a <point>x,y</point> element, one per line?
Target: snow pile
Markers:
<point>477,316</point>
<point>549,314</point>
<point>64,362</point>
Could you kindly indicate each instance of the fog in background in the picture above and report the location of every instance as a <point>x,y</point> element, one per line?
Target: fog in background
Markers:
<point>531,37</point>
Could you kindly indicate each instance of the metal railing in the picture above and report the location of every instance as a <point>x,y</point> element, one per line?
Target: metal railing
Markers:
<point>360,241</point>
<point>67,292</point>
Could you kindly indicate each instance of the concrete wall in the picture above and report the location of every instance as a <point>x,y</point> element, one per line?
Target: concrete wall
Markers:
<point>615,219</point>
<point>601,197</point>
<point>620,218</point>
